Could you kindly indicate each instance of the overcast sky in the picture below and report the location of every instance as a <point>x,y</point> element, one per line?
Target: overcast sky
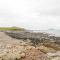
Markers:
<point>30,14</point>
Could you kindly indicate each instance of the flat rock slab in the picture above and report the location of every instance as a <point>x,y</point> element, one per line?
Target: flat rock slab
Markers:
<point>34,54</point>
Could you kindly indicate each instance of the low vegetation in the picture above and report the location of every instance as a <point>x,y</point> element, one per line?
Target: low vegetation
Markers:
<point>11,28</point>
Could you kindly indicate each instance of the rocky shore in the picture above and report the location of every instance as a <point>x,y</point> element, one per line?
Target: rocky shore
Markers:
<point>34,37</point>
<point>28,46</point>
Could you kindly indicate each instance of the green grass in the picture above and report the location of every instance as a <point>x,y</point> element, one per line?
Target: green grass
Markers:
<point>10,28</point>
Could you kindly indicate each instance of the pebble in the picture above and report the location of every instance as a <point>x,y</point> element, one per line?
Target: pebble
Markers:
<point>22,55</point>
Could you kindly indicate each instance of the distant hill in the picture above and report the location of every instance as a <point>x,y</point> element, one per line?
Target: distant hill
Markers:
<point>11,28</point>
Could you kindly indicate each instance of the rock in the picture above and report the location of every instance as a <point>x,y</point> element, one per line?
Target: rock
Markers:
<point>53,56</point>
<point>22,55</point>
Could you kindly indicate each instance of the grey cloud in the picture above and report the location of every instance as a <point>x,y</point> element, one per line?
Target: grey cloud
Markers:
<point>54,12</point>
<point>28,13</point>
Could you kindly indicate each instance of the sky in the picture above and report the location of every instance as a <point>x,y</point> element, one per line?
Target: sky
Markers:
<point>30,14</point>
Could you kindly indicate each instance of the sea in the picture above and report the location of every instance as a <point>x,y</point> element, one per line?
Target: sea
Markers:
<point>50,32</point>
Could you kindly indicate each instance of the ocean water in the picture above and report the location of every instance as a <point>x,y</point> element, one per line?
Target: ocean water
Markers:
<point>50,32</point>
<point>54,32</point>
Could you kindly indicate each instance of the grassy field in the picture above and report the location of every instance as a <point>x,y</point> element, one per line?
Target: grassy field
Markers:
<point>11,28</point>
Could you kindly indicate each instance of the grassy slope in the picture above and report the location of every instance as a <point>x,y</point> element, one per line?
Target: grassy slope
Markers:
<point>10,28</point>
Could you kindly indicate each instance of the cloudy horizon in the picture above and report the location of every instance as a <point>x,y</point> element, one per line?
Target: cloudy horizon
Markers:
<point>30,14</point>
